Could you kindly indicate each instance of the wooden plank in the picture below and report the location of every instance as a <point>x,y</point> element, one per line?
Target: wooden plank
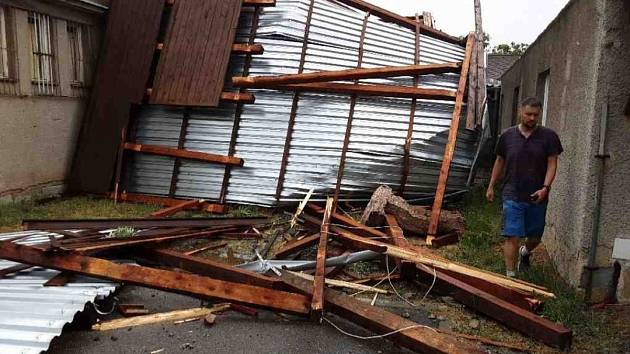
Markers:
<point>317,303</point>
<point>207,267</point>
<point>153,240</point>
<point>60,279</point>
<point>81,224</point>
<point>242,48</point>
<point>407,269</point>
<point>264,3</point>
<point>342,284</point>
<point>120,79</point>
<point>401,20</point>
<point>296,246</point>
<point>510,315</point>
<point>238,97</point>
<point>422,338</point>
<point>164,201</point>
<point>189,284</point>
<point>450,145</point>
<point>445,240</point>
<point>14,269</point>
<point>187,204</point>
<point>372,90</point>
<point>357,227</point>
<point>158,318</point>
<point>184,154</point>
<point>206,248</point>
<point>343,75</point>
<point>199,32</point>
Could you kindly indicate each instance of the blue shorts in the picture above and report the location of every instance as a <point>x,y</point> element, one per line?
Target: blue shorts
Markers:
<point>523,219</point>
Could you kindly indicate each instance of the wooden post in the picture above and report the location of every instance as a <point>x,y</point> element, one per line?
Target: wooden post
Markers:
<point>317,304</point>
<point>450,145</point>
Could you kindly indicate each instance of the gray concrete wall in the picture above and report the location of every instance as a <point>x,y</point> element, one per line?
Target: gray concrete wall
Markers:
<point>585,50</point>
<point>38,133</point>
<point>38,136</point>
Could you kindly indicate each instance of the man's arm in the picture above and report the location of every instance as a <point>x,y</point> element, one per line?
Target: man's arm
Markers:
<point>550,175</point>
<point>497,171</point>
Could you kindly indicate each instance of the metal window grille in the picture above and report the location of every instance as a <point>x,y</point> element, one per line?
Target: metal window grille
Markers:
<point>82,57</point>
<point>4,45</point>
<point>43,59</point>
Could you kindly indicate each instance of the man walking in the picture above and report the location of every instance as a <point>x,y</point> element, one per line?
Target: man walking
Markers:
<point>527,159</point>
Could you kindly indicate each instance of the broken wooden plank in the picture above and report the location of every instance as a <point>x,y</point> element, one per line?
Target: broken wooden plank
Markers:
<point>371,90</point>
<point>243,48</point>
<point>344,75</point>
<point>176,208</point>
<point>138,223</point>
<point>184,283</point>
<point>450,145</point>
<point>342,284</point>
<point>184,154</point>
<point>445,240</point>
<point>398,239</point>
<point>317,302</point>
<point>60,279</point>
<point>296,246</point>
<point>130,310</point>
<point>208,267</point>
<point>419,338</point>
<point>158,317</point>
<point>510,315</point>
<point>206,248</point>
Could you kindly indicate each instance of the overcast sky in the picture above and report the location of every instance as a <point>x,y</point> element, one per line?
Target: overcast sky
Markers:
<point>505,20</point>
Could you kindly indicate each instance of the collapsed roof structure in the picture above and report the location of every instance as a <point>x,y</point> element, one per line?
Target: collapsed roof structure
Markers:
<point>337,96</point>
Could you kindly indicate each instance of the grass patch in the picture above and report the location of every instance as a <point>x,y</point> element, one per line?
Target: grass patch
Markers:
<point>480,246</point>
<point>11,214</point>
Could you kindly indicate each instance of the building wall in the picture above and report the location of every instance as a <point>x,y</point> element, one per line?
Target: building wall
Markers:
<point>38,133</point>
<point>583,50</point>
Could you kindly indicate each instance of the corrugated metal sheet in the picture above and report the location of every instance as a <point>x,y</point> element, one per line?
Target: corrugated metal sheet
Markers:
<point>121,76</point>
<point>199,32</point>
<point>379,129</point>
<point>31,315</point>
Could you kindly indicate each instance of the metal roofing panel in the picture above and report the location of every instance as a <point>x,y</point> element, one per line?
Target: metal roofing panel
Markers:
<point>31,315</point>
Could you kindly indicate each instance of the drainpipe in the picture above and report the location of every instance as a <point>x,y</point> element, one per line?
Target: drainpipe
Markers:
<point>601,156</point>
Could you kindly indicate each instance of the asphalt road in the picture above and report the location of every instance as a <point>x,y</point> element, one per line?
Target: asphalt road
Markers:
<point>232,332</point>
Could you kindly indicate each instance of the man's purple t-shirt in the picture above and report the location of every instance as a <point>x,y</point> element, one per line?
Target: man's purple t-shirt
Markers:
<point>526,160</point>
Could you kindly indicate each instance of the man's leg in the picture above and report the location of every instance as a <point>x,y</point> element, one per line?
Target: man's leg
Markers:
<point>532,243</point>
<point>513,228</point>
<point>510,251</point>
<point>534,228</point>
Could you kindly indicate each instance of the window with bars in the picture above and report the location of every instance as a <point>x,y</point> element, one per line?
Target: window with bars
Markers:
<point>81,53</point>
<point>43,58</point>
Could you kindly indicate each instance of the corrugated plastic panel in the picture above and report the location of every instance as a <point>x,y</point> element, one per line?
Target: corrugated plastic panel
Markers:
<point>31,315</point>
<point>379,129</point>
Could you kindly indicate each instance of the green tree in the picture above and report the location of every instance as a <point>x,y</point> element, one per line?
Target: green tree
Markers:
<point>512,48</point>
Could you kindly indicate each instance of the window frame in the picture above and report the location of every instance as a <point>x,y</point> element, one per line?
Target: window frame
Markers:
<point>44,71</point>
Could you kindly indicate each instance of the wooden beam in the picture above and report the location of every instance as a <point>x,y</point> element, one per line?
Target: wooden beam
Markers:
<point>509,314</point>
<point>401,20</point>
<point>343,75</point>
<point>159,317</point>
<point>420,338</point>
<point>296,246</point>
<point>407,269</point>
<point>185,204</point>
<point>317,303</point>
<point>450,145</point>
<point>14,269</point>
<point>189,284</point>
<point>64,224</point>
<point>60,279</point>
<point>184,154</point>
<point>372,90</point>
<point>444,240</point>
<point>238,97</point>
<point>243,48</point>
<point>342,284</point>
<point>262,3</point>
<point>207,267</point>
<point>164,201</point>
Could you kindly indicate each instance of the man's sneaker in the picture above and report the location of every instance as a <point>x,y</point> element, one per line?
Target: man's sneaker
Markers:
<point>523,259</point>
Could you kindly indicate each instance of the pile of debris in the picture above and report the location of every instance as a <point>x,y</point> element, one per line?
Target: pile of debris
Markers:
<point>283,284</point>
